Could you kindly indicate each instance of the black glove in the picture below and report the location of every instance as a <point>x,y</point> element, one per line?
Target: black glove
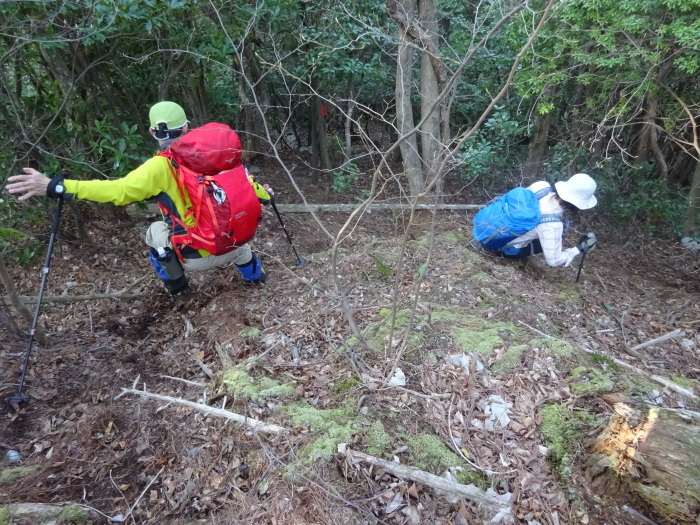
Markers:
<point>586,243</point>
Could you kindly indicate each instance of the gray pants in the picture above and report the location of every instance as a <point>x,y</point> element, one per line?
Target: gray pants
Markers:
<point>157,236</point>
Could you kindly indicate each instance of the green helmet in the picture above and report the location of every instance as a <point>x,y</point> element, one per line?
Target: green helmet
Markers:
<point>166,116</point>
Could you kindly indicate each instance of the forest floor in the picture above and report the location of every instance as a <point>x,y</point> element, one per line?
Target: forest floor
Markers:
<point>283,354</point>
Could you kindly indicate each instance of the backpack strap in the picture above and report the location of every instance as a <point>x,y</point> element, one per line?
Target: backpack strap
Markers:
<point>543,192</point>
<point>550,217</point>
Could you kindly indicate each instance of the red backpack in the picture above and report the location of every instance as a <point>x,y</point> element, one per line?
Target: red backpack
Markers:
<point>207,168</point>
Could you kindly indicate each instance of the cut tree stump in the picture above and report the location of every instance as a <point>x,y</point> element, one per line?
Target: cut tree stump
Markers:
<point>652,456</point>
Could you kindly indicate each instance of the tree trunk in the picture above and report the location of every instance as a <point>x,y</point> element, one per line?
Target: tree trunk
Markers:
<point>691,226</point>
<point>591,137</point>
<point>195,93</point>
<point>348,118</point>
<point>63,76</point>
<point>8,322</point>
<point>653,458</point>
<point>649,140</point>
<point>537,148</point>
<point>17,302</point>
<point>412,165</point>
<point>321,135</point>
<point>262,96</point>
<point>78,218</point>
<point>170,74</point>
<point>661,166</point>
<point>249,136</point>
<point>256,102</point>
<point>430,132</point>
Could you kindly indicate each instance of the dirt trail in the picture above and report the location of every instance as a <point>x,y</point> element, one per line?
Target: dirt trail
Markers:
<point>279,353</point>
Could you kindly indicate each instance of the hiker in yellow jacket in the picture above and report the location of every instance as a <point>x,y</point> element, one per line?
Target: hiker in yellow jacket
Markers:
<point>153,180</point>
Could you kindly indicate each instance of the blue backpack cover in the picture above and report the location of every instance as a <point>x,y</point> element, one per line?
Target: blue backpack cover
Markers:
<point>508,217</point>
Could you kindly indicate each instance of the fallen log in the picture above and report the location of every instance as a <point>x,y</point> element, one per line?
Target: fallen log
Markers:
<point>31,299</point>
<point>652,456</point>
<point>251,422</point>
<point>470,492</point>
<point>379,206</point>
<point>52,514</point>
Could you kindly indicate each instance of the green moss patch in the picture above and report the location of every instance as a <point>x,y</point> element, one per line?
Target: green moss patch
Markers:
<point>588,381</point>
<point>73,514</point>
<point>378,441</point>
<point>4,516</point>
<point>456,238</point>
<point>511,358</point>
<point>561,429</point>
<point>481,278</point>
<point>250,332</point>
<point>684,382</point>
<point>461,241</point>
<point>432,455</point>
<point>10,475</point>
<point>255,389</point>
<point>569,293</point>
<point>469,332</point>
<point>341,386</point>
<point>378,334</point>
<point>557,347</point>
<point>334,426</point>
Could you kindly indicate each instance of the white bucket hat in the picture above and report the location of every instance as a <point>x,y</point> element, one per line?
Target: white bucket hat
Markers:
<point>578,190</point>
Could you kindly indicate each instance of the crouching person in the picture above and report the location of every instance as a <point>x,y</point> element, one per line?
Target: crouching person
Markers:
<point>211,206</point>
<point>529,221</point>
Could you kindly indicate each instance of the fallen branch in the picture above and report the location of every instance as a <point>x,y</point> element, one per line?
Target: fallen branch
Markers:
<point>305,208</point>
<point>658,379</point>
<point>666,337</point>
<point>347,208</point>
<point>31,299</point>
<point>633,352</point>
<point>186,381</point>
<point>253,423</point>
<point>469,492</point>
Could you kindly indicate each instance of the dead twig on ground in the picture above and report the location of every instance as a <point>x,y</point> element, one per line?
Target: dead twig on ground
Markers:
<point>253,423</point>
<point>130,286</point>
<point>186,381</point>
<point>625,346</point>
<point>132,507</point>
<point>665,337</point>
<point>469,492</point>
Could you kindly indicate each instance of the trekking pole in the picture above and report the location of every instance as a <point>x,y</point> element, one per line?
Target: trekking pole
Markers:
<point>580,266</point>
<point>19,398</point>
<point>299,261</point>
<point>583,257</point>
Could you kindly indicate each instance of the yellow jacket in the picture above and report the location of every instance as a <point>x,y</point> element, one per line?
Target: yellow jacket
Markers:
<point>152,180</point>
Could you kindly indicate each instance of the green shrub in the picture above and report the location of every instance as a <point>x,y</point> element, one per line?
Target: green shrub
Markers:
<point>345,177</point>
<point>634,194</point>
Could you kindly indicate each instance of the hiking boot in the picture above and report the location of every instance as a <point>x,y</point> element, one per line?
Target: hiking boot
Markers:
<point>183,295</point>
<point>260,280</point>
<point>252,271</point>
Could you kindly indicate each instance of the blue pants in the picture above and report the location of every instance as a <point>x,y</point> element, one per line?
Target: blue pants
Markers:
<point>532,248</point>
